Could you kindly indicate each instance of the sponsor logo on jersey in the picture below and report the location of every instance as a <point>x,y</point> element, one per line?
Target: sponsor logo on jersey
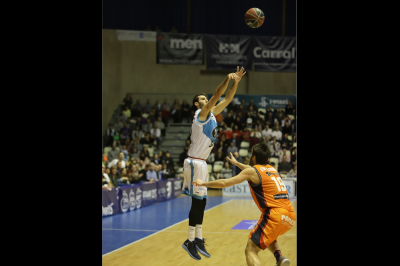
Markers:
<point>281,196</point>
<point>287,219</point>
<point>271,169</point>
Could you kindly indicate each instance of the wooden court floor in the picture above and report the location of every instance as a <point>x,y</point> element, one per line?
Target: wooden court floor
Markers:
<point>226,246</point>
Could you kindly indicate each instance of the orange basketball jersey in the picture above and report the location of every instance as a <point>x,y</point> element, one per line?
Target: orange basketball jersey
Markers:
<point>271,192</point>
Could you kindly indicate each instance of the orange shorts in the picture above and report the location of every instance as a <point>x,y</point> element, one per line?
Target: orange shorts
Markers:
<point>273,223</point>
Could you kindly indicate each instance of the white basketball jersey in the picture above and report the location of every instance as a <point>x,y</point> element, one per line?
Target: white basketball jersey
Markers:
<point>203,136</point>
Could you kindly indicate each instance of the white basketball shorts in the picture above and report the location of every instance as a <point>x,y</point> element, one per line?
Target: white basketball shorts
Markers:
<point>194,169</point>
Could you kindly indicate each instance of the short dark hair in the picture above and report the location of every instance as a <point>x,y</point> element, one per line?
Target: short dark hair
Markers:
<point>262,153</point>
<point>196,98</point>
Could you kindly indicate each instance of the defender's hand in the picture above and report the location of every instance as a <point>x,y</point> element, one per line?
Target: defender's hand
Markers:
<point>232,159</point>
<point>198,182</point>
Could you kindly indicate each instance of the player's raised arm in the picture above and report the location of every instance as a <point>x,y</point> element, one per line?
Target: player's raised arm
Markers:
<point>235,162</point>
<point>229,95</point>
<point>221,183</point>
<point>205,110</point>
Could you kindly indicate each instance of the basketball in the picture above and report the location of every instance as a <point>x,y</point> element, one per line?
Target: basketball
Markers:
<point>254,17</point>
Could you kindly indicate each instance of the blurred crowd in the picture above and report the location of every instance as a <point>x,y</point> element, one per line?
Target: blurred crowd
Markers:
<point>140,127</point>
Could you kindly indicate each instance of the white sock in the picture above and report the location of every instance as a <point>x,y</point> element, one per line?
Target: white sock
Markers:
<point>191,233</point>
<point>198,231</point>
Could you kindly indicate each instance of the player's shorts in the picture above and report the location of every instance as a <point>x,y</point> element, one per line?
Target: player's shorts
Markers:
<point>194,169</point>
<point>273,223</point>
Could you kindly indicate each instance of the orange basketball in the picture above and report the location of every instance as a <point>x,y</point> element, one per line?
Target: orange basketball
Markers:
<point>254,17</point>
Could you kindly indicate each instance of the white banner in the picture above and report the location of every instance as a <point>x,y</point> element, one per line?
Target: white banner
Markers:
<point>243,190</point>
<point>134,35</point>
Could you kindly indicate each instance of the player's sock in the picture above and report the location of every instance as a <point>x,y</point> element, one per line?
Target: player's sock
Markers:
<point>198,231</point>
<point>277,254</point>
<point>191,233</point>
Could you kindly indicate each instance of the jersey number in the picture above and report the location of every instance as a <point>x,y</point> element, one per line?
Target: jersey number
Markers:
<point>279,184</point>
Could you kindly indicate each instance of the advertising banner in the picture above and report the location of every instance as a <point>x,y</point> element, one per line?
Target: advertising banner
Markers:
<point>177,187</point>
<point>272,53</point>
<point>262,101</point>
<point>290,186</point>
<point>165,190</point>
<point>241,189</point>
<point>180,48</point>
<point>110,202</point>
<point>149,194</point>
<point>228,51</point>
<point>130,198</point>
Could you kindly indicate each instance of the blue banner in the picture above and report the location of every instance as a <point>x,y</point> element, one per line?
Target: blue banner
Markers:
<point>262,101</point>
<point>110,202</point>
<point>149,195</point>
<point>130,198</point>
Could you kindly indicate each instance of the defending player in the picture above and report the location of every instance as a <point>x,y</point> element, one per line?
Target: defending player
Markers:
<point>271,197</point>
<point>203,133</point>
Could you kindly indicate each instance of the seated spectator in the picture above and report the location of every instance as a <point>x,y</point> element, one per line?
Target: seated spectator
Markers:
<point>125,129</point>
<point>113,153</point>
<point>130,145</point>
<point>158,169</point>
<point>251,104</point>
<point>229,120</point>
<point>256,133</point>
<point>175,111</point>
<point>119,166</point>
<point>232,148</point>
<point>284,166</point>
<point>220,156</point>
<point>156,135</point>
<point>155,159</point>
<point>170,163</point>
<point>105,159</point>
<point>246,134</point>
<point>269,120</point>
<point>186,113</point>
<point>127,100</point>
<point>110,132</point>
<point>138,145</point>
<point>143,173</point>
<point>232,107</point>
<point>187,144</point>
<point>165,172</point>
<point>146,127</point>
<point>108,170</point>
<point>121,158</point>
<point>277,133</point>
<point>289,108</point>
<point>292,172</point>
<point>105,179</point>
<point>133,175</point>
<point>152,116</point>
<point>142,156</point>
<point>241,112</point>
<point>287,129</point>
<point>223,143</point>
<point>113,176</point>
<point>157,106</point>
<point>122,117</point>
<point>235,141</point>
<point>251,113</point>
<point>161,125</point>
<point>123,176</point>
<point>282,153</point>
<point>211,158</point>
<point>118,125</point>
<point>146,140</point>
<point>285,140</point>
<point>274,147</point>
<point>132,161</point>
<point>165,114</point>
<point>147,107</point>
<point>279,118</point>
<point>166,105</point>
<point>146,152</point>
<point>226,172</point>
<point>258,125</point>
<point>127,112</point>
<point>267,132</point>
<point>259,120</point>
<point>151,175</point>
<point>135,112</point>
<point>161,155</point>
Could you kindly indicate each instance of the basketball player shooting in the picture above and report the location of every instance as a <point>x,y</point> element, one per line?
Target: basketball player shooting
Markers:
<point>272,199</point>
<point>204,130</point>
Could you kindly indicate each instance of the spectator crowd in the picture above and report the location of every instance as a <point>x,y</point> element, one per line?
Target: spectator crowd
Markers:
<point>142,126</point>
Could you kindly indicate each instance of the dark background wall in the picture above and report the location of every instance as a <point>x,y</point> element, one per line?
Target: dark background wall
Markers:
<point>204,16</point>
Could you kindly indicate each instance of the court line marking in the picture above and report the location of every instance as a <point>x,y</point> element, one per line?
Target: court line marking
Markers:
<point>163,229</point>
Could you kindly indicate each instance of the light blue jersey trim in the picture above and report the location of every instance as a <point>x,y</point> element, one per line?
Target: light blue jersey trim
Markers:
<point>208,118</point>
<point>191,176</point>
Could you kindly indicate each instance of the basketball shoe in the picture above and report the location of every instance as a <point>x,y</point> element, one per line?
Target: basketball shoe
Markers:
<point>199,243</point>
<point>283,261</point>
<point>191,249</point>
